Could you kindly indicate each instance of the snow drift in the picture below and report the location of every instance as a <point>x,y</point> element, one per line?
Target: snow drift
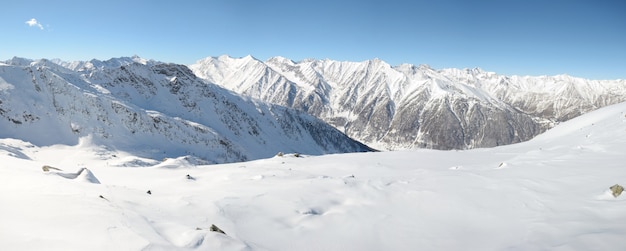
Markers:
<point>82,174</point>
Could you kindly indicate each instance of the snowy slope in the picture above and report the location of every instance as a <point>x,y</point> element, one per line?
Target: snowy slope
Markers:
<point>409,106</point>
<point>152,109</point>
<point>550,193</point>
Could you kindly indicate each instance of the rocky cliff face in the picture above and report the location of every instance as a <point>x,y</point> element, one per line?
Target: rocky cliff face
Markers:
<point>152,109</point>
<point>411,106</point>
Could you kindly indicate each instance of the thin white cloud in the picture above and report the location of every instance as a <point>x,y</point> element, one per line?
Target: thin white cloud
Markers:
<point>33,22</point>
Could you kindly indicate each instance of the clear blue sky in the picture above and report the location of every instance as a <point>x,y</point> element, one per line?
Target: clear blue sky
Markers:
<point>522,37</point>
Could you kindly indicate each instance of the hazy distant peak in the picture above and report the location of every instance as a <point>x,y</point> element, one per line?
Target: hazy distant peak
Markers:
<point>18,61</point>
<point>281,60</point>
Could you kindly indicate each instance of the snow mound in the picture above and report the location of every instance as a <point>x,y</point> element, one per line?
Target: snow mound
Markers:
<point>83,174</point>
<point>133,161</point>
<point>13,151</point>
<point>216,241</point>
<point>182,162</point>
<point>608,196</point>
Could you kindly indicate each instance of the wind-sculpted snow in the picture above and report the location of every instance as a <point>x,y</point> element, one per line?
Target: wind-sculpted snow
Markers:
<point>82,174</point>
<point>411,106</point>
<point>155,110</point>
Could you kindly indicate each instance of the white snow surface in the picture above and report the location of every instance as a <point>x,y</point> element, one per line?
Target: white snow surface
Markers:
<point>550,193</point>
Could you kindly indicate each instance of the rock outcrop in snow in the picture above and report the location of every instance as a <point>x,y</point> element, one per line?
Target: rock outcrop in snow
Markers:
<point>616,190</point>
<point>153,110</point>
<point>411,106</point>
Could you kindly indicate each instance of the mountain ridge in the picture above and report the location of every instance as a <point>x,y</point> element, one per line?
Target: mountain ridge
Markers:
<point>155,109</point>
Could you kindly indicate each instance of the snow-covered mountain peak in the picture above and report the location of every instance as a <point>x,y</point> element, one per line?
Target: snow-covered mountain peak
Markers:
<point>309,60</point>
<point>411,70</point>
<point>138,59</point>
<point>249,57</point>
<point>221,57</point>
<point>43,62</point>
<point>378,64</point>
<point>18,61</point>
<point>121,61</point>
<point>475,70</point>
<point>567,78</point>
<point>229,59</point>
<point>280,60</point>
<point>376,61</point>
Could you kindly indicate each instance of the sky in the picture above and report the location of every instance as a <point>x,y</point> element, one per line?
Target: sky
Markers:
<point>512,37</point>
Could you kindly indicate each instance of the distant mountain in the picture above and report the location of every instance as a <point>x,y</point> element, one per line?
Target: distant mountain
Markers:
<point>151,109</point>
<point>410,106</point>
<point>96,64</point>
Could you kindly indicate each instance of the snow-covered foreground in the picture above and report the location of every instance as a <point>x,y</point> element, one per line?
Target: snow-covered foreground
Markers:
<point>551,193</point>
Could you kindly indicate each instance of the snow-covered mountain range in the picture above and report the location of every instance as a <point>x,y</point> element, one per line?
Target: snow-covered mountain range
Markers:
<point>410,106</point>
<point>152,110</point>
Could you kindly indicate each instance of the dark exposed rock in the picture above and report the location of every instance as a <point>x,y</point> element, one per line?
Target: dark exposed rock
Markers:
<point>47,168</point>
<point>214,228</point>
<point>616,190</point>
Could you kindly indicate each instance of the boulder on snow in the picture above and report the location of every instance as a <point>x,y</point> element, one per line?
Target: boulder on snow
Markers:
<point>214,228</point>
<point>616,190</point>
<point>47,168</point>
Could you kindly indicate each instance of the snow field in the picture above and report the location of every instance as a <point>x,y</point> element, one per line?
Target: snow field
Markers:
<point>550,193</point>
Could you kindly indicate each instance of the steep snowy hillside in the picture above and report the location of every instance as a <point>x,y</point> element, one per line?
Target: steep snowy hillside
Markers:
<point>411,106</point>
<point>550,193</point>
<point>153,110</point>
